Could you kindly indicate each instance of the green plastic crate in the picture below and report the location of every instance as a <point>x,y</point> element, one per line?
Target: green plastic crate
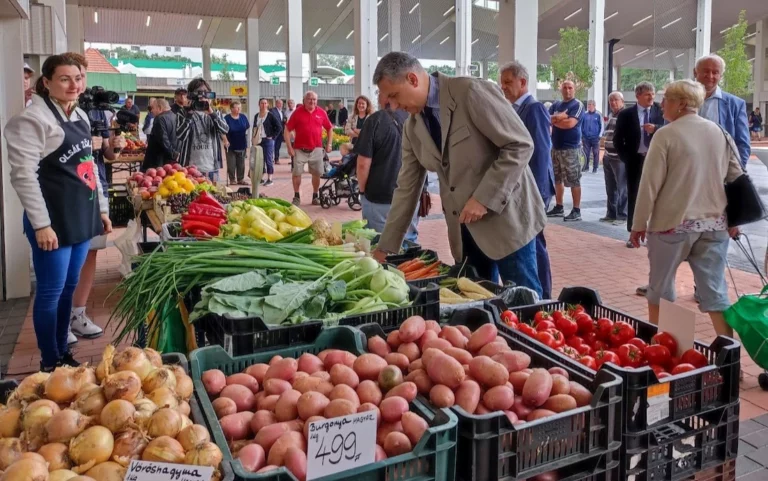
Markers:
<point>432,459</point>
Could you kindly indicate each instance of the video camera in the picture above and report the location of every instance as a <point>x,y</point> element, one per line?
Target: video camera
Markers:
<point>98,99</point>
<point>199,100</point>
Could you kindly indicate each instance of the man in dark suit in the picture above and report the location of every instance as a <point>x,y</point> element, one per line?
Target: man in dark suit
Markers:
<point>279,114</point>
<point>635,127</point>
<point>343,114</point>
<point>162,145</point>
<point>331,113</point>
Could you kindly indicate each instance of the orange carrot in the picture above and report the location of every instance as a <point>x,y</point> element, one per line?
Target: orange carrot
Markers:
<point>419,264</point>
<point>405,265</point>
<point>419,273</point>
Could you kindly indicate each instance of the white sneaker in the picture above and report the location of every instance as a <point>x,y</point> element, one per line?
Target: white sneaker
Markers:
<point>71,338</point>
<point>82,326</point>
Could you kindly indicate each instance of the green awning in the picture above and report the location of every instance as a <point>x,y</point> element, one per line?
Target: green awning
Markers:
<point>118,82</point>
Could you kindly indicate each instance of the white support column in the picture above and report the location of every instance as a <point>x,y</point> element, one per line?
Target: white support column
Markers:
<point>75,37</point>
<point>703,28</point>
<point>394,25</point>
<point>463,37</point>
<point>483,74</point>
<point>15,264</point>
<point>313,63</point>
<point>596,49</point>
<point>616,77</point>
<point>207,63</point>
<point>690,62</point>
<point>519,43</point>
<point>759,74</point>
<point>366,47</point>
<point>252,64</point>
<point>293,54</point>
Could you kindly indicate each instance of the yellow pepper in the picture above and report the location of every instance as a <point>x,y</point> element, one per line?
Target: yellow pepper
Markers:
<point>285,228</point>
<point>298,217</point>
<point>276,215</point>
<point>256,213</point>
<point>260,230</point>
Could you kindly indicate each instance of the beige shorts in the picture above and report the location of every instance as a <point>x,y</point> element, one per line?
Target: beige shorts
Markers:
<point>98,243</point>
<point>314,159</point>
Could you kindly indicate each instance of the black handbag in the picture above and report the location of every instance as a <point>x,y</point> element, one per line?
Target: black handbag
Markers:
<point>744,205</point>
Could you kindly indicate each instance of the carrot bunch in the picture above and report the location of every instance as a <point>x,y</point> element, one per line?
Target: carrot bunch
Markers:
<point>420,269</point>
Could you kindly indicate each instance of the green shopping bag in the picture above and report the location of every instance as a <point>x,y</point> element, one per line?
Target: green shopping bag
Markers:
<point>749,318</point>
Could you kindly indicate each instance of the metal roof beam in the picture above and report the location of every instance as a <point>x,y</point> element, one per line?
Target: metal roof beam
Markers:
<point>258,8</point>
<point>210,35</point>
<point>334,26</point>
<point>434,32</point>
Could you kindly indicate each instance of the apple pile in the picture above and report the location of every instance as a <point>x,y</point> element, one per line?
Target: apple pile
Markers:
<point>149,181</point>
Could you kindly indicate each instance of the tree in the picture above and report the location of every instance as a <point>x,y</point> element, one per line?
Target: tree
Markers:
<point>493,71</point>
<point>341,62</point>
<point>543,73</point>
<point>633,76</point>
<point>738,69</point>
<point>446,69</point>
<point>224,74</point>
<point>126,54</point>
<point>571,62</point>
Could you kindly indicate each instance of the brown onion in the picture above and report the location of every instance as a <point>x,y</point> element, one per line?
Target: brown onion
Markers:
<point>91,447</point>
<point>154,357</point>
<point>122,385</point>
<point>117,415</point>
<point>185,422</point>
<point>109,471</point>
<point>90,402</point>
<point>56,455</point>
<point>65,425</point>
<point>34,457</point>
<point>164,449</point>
<point>61,475</point>
<point>164,397</point>
<point>34,419</point>
<point>206,454</point>
<point>193,436</point>
<point>184,408</point>
<point>104,368</point>
<point>26,470</point>
<point>184,387</point>
<point>133,359</point>
<point>144,411</point>
<point>129,445</point>
<point>11,450</point>
<point>82,478</point>
<point>160,377</point>
<point>31,388</point>
<point>63,384</point>
<point>165,422</point>
<point>10,422</point>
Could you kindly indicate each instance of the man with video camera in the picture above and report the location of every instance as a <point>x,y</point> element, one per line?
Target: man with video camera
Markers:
<point>199,131</point>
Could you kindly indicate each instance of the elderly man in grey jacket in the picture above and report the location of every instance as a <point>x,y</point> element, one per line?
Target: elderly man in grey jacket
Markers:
<point>463,129</point>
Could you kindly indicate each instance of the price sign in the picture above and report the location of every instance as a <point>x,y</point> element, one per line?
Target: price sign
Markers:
<point>152,471</point>
<point>339,444</point>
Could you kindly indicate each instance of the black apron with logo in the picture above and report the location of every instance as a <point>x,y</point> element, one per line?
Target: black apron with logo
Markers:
<point>68,183</point>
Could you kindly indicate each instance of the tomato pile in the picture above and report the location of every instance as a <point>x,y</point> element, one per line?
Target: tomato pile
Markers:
<point>593,342</point>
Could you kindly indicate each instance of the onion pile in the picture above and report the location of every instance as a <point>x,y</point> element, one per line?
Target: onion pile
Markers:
<point>88,424</point>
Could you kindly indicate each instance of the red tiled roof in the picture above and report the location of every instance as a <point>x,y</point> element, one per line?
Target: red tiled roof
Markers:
<point>98,63</point>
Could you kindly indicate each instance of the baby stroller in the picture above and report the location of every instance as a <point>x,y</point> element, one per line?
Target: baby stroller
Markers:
<point>341,183</point>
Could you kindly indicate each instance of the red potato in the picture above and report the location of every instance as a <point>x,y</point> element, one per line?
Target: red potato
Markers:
<point>581,394</point>
<point>285,408</point>
<point>371,407</point>
<point>368,392</point>
<point>224,407</point>
<point>236,426</point>
<point>416,365</point>
<point>412,329</point>
<point>428,355</point>
<point>377,345</point>
<point>339,407</point>
<point>399,360</point>
<point>517,379</point>
<point>322,375</point>
<point>368,366</point>
<point>560,385</point>
<point>282,369</point>
<point>414,426</point>
<point>512,417</point>
<point>488,372</point>
<point>444,369</point>
<point>433,326</point>
<point>421,379</point>
<point>243,397</point>
<point>342,391</point>
<point>299,375</point>
<point>427,336</point>
<point>386,428</point>
<point>481,409</point>
<point>514,361</point>
<point>559,370</point>
<point>258,371</point>
<point>310,404</point>
<point>407,390</point>
<point>454,336</point>
<point>269,434</point>
<point>341,374</point>
<point>519,408</point>
<point>465,331</point>
<point>321,355</point>
<point>336,356</point>
<point>267,469</point>
<point>537,388</point>
<point>288,440</point>
<point>325,388</point>
<point>309,363</point>
<point>268,403</point>
<point>540,414</point>
<point>485,334</point>
<point>381,455</point>
<point>306,384</point>
<point>274,359</point>
<point>244,380</point>
<point>494,348</point>
<point>410,350</point>
<point>296,461</point>
<point>396,444</point>
<point>392,409</point>
<point>528,370</point>
<point>393,339</point>
<point>252,457</point>
<point>310,421</point>
<point>437,343</point>
<point>214,381</point>
<point>468,396</point>
<point>441,396</point>
<point>262,419</point>
<point>464,357</point>
<point>499,398</point>
<point>560,403</point>
<point>276,386</point>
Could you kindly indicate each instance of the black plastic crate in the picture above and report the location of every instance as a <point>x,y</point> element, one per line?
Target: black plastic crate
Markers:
<point>711,387</point>
<point>491,448</point>
<point>425,302</point>
<point>120,207</point>
<point>6,388</point>
<point>700,447</point>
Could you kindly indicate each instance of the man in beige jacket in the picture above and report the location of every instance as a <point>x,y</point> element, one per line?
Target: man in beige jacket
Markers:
<point>463,129</point>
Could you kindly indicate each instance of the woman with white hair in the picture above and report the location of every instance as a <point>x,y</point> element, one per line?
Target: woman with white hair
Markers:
<point>681,203</point>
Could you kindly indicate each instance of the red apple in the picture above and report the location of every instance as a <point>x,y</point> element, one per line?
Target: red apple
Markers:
<point>146,183</point>
<point>158,178</point>
<point>185,170</point>
<point>161,172</point>
<point>143,189</point>
<point>151,172</point>
<point>167,166</point>
<point>172,171</point>
<point>153,189</point>
<point>177,166</point>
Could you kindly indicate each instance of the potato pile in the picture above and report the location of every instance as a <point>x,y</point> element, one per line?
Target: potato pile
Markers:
<point>86,424</point>
<point>477,371</point>
<point>266,410</point>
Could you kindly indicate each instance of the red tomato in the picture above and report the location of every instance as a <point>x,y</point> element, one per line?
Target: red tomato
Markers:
<point>692,356</point>
<point>589,361</point>
<point>544,325</point>
<point>665,339</point>
<point>559,338</point>
<point>673,361</point>
<point>621,333</point>
<point>585,322</point>
<point>683,367</point>
<point>569,351</point>
<point>598,345</point>
<point>662,375</point>
<point>509,317</point>
<point>589,338</point>
<point>604,328</point>
<point>567,326</point>
<point>630,355</point>
<point>546,338</point>
<point>575,309</point>
<point>526,329</point>
<point>557,315</point>
<point>584,350</point>
<point>638,342</point>
<point>575,341</point>
<point>657,355</point>
<point>603,356</point>
<point>657,369</point>
<point>541,316</point>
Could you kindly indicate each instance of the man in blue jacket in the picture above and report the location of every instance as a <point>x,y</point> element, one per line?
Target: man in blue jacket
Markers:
<point>591,131</point>
<point>722,108</point>
<point>514,83</point>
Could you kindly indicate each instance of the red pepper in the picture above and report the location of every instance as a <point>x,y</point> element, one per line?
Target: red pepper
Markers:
<point>200,234</point>
<point>217,221</point>
<point>208,199</point>
<point>191,226</point>
<point>207,210</point>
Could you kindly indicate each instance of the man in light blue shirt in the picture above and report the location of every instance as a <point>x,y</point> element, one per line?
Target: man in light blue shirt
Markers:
<point>591,131</point>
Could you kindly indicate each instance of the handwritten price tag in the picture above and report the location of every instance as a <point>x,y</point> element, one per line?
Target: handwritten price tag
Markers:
<point>152,471</point>
<point>339,444</point>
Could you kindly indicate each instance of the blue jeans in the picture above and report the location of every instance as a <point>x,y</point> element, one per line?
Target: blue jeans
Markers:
<point>57,273</point>
<point>591,146</point>
<point>520,267</point>
<point>213,175</point>
<point>268,145</point>
<point>376,216</point>
<point>542,262</point>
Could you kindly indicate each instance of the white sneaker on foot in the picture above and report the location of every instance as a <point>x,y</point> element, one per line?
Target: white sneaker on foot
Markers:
<point>71,338</point>
<point>83,326</point>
